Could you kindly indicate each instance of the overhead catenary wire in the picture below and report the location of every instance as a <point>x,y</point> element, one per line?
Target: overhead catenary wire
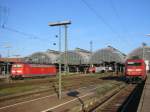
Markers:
<point>30,36</point>
<point>4,13</point>
<point>117,15</point>
<point>17,31</point>
<point>103,20</point>
<point>0,15</point>
<point>124,29</point>
<point>114,9</point>
<point>100,17</point>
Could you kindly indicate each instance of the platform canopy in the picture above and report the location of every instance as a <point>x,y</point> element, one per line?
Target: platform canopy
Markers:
<point>108,54</point>
<point>48,57</point>
<point>140,52</point>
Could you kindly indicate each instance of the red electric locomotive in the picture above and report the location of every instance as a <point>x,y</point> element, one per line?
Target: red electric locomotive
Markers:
<point>135,70</point>
<point>20,70</point>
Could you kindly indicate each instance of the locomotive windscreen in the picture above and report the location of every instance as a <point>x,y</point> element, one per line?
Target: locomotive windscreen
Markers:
<point>134,63</point>
<point>17,66</point>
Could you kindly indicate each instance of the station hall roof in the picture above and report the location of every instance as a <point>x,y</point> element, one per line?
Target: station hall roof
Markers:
<point>108,54</point>
<point>76,57</point>
<point>48,57</point>
<point>140,52</point>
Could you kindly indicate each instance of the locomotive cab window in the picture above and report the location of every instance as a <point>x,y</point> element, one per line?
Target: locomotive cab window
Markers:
<point>134,64</point>
<point>17,66</point>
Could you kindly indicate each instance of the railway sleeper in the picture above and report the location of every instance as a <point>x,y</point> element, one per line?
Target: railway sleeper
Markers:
<point>106,100</point>
<point>95,102</point>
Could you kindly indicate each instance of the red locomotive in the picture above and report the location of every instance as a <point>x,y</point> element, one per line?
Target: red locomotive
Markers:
<point>135,69</point>
<point>22,70</point>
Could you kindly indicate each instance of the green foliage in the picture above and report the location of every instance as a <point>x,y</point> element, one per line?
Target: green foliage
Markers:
<point>10,91</point>
<point>104,88</point>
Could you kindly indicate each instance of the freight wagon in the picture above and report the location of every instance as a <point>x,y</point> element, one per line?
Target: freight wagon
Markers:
<point>135,70</point>
<point>22,70</point>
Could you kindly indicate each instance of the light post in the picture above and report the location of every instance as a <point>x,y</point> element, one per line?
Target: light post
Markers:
<point>143,44</point>
<point>109,50</point>
<point>103,57</point>
<point>62,23</point>
<point>143,52</point>
<point>91,50</point>
<point>148,35</point>
<point>66,49</point>
<point>59,62</point>
<point>8,46</point>
<point>115,64</point>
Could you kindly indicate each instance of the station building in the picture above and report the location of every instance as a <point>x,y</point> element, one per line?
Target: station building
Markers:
<point>140,52</point>
<point>48,57</point>
<point>77,59</point>
<point>108,57</point>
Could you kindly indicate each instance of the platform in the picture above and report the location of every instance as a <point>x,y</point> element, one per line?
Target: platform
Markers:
<point>144,105</point>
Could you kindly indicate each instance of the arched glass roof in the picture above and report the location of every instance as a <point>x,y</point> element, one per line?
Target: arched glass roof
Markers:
<point>108,54</point>
<point>85,55</point>
<point>42,58</point>
<point>141,52</point>
<point>76,57</point>
<point>73,58</point>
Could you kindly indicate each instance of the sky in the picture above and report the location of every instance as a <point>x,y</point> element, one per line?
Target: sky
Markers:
<point>24,28</point>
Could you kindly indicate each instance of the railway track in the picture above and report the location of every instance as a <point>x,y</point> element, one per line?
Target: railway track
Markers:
<point>84,92</point>
<point>49,83</point>
<point>52,87</point>
<point>116,101</point>
<point>29,81</point>
<point>113,102</point>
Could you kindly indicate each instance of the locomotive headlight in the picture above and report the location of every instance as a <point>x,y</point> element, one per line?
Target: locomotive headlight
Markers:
<point>138,70</point>
<point>19,71</point>
<point>13,71</point>
<point>129,70</point>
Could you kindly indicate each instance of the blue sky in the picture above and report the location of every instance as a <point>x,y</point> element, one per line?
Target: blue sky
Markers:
<point>119,23</point>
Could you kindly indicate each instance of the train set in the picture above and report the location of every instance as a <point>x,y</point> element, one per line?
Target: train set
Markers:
<point>134,70</point>
<point>22,70</point>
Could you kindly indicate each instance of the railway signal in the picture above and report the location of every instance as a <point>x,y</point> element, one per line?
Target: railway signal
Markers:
<point>62,23</point>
